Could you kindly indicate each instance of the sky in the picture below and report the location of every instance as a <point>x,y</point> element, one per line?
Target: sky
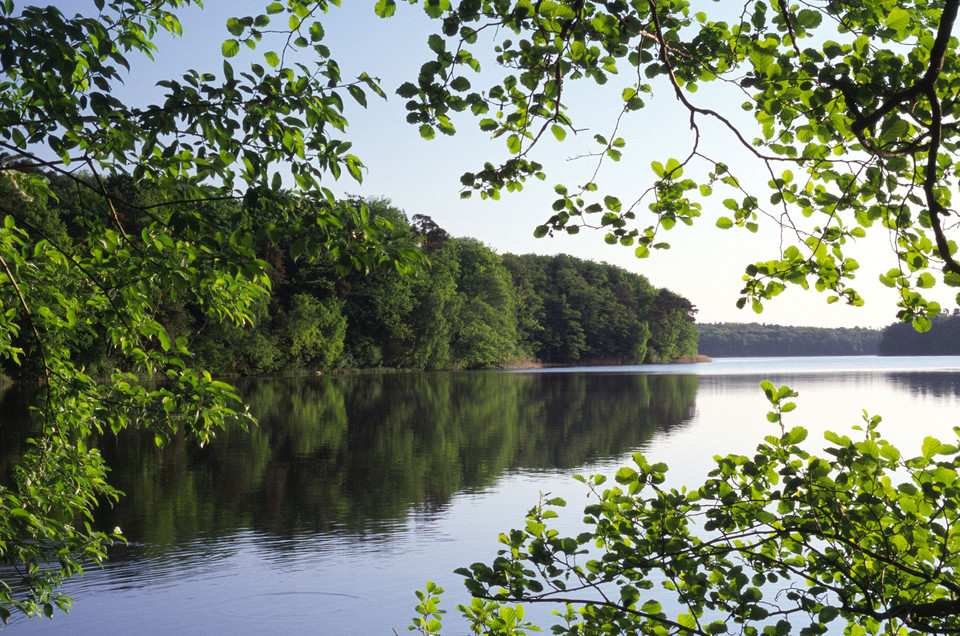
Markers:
<point>705,264</point>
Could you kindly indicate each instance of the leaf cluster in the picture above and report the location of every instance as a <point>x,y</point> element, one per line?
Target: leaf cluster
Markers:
<point>782,540</point>
<point>854,124</point>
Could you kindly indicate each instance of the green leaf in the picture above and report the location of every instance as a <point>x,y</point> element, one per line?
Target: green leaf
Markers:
<point>898,19</point>
<point>230,48</point>
<point>809,19</point>
<point>761,58</point>
<point>385,8</point>
<point>921,324</point>
<point>724,223</point>
<point>164,338</point>
<point>931,446</point>
<point>407,90</point>
<point>894,129</point>
<point>357,93</point>
<point>686,620</point>
<point>652,607</point>
<point>234,26</point>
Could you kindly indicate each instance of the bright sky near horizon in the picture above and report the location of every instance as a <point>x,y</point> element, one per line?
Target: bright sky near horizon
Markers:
<point>705,264</point>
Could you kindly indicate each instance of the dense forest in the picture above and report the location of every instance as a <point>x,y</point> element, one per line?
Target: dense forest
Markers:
<point>943,338</point>
<point>752,340</point>
<point>471,308</point>
<point>468,307</point>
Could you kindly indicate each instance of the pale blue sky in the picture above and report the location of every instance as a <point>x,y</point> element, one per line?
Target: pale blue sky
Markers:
<point>705,264</point>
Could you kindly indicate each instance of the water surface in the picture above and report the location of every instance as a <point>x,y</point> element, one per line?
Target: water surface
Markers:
<point>356,490</point>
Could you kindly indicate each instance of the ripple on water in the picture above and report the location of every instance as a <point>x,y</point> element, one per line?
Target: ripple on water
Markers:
<point>288,604</point>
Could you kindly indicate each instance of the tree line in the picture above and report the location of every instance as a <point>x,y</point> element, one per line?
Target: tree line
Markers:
<point>943,338</point>
<point>731,340</point>
<point>469,308</point>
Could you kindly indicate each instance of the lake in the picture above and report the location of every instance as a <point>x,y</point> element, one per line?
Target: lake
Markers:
<point>356,490</point>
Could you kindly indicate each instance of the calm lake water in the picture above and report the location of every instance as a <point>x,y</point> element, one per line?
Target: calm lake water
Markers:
<point>354,491</point>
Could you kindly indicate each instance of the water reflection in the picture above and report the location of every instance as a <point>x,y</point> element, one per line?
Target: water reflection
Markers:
<point>353,454</point>
<point>345,465</point>
<point>928,384</point>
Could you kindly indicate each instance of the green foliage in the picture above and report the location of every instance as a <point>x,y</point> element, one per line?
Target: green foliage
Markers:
<point>428,621</point>
<point>853,107</point>
<point>485,331</point>
<point>437,301</point>
<point>673,334</point>
<point>485,617</point>
<point>859,537</point>
<point>470,308</point>
<point>313,332</point>
<point>175,207</point>
<point>121,223</point>
<point>576,311</point>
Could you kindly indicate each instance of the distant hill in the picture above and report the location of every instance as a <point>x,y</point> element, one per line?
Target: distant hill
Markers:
<point>731,340</point>
<point>943,338</point>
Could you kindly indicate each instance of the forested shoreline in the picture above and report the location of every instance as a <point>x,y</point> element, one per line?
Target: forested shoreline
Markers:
<point>466,308</point>
<point>732,340</point>
<point>469,309</point>
<point>942,339</point>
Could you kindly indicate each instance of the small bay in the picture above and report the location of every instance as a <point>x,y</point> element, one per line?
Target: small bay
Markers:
<point>356,490</point>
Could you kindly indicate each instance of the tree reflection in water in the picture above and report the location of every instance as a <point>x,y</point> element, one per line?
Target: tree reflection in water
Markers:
<point>354,453</point>
<point>358,455</point>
